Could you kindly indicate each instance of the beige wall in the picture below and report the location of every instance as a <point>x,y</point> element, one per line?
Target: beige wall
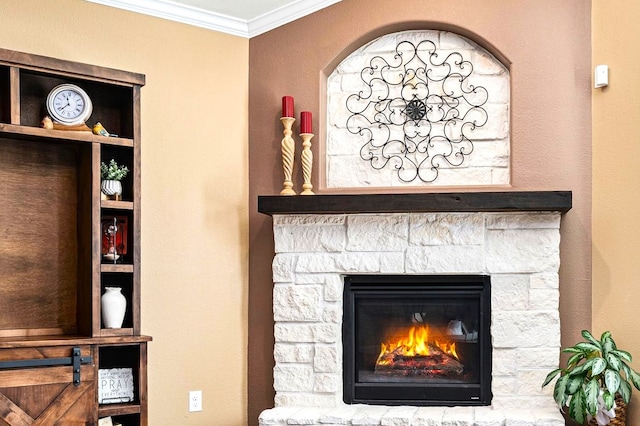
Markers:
<point>616,179</point>
<point>546,44</point>
<point>194,190</point>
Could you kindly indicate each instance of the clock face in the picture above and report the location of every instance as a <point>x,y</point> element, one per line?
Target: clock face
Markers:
<point>68,104</point>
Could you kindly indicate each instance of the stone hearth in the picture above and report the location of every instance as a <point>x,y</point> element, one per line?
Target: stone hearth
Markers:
<point>514,240</point>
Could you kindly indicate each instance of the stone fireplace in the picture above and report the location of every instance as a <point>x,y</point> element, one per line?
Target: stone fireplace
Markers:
<point>420,109</point>
<point>511,237</point>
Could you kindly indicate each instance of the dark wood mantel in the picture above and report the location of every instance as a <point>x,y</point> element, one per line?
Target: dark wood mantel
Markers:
<point>508,201</point>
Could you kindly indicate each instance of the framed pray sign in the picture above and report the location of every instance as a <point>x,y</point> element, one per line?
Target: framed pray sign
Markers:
<point>115,385</point>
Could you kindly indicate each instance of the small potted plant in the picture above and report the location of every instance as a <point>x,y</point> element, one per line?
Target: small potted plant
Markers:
<point>596,383</point>
<point>111,175</point>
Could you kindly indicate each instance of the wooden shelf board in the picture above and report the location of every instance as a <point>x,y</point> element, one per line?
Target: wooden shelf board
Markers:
<point>28,342</point>
<point>118,409</point>
<point>104,332</point>
<point>110,267</point>
<point>508,201</point>
<point>64,67</point>
<point>119,205</point>
<point>45,135</point>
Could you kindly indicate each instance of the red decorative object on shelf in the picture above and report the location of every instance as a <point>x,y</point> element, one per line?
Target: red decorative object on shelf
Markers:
<point>287,106</point>
<point>114,237</point>
<point>305,122</point>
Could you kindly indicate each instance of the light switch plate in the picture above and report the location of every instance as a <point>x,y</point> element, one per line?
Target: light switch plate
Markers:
<point>601,77</point>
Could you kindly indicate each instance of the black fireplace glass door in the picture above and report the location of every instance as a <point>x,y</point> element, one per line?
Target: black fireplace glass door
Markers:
<point>421,340</point>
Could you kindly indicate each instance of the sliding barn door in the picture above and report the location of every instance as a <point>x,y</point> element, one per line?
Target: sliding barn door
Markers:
<point>53,386</point>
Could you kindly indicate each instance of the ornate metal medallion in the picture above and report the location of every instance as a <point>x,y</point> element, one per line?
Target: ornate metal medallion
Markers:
<point>415,111</point>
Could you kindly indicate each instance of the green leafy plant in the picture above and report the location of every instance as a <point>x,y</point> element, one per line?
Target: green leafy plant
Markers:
<point>596,372</point>
<point>112,171</point>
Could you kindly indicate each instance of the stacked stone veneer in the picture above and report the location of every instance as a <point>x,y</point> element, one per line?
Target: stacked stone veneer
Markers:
<point>489,162</point>
<point>520,251</point>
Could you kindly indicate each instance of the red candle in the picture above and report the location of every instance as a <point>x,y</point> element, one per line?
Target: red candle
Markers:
<point>287,106</point>
<point>305,122</point>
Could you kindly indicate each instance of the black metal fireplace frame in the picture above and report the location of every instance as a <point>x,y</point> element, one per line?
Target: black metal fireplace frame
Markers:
<point>356,286</point>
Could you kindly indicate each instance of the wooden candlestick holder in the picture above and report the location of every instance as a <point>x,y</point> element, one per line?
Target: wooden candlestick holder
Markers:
<point>307,160</point>
<point>288,150</point>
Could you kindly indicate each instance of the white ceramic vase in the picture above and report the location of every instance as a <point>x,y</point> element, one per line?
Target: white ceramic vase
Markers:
<point>111,187</point>
<point>114,306</point>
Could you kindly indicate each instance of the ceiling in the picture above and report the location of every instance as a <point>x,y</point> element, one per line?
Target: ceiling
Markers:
<point>244,18</point>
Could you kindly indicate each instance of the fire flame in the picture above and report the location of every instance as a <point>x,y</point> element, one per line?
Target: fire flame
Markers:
<point>416,342</point>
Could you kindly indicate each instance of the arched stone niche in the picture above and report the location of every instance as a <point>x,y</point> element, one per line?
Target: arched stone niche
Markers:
<point>420,108</point>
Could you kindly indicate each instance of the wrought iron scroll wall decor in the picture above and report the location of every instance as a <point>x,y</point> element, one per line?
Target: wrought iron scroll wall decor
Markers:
<point>417,111</point>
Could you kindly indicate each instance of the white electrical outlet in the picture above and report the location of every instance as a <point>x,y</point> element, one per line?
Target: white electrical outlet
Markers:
<point>195,401</point>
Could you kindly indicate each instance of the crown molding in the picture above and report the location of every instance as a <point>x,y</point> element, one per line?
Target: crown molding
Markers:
<point>178,12</point>
<point>182,13</point>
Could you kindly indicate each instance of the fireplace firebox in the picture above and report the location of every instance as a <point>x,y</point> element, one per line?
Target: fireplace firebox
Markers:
<point>417,340</point>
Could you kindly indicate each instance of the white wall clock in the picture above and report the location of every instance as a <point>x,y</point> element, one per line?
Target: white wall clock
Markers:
<point>69,105</point>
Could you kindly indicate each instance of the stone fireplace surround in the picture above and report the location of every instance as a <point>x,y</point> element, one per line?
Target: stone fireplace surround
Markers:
<point>512,236</point>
